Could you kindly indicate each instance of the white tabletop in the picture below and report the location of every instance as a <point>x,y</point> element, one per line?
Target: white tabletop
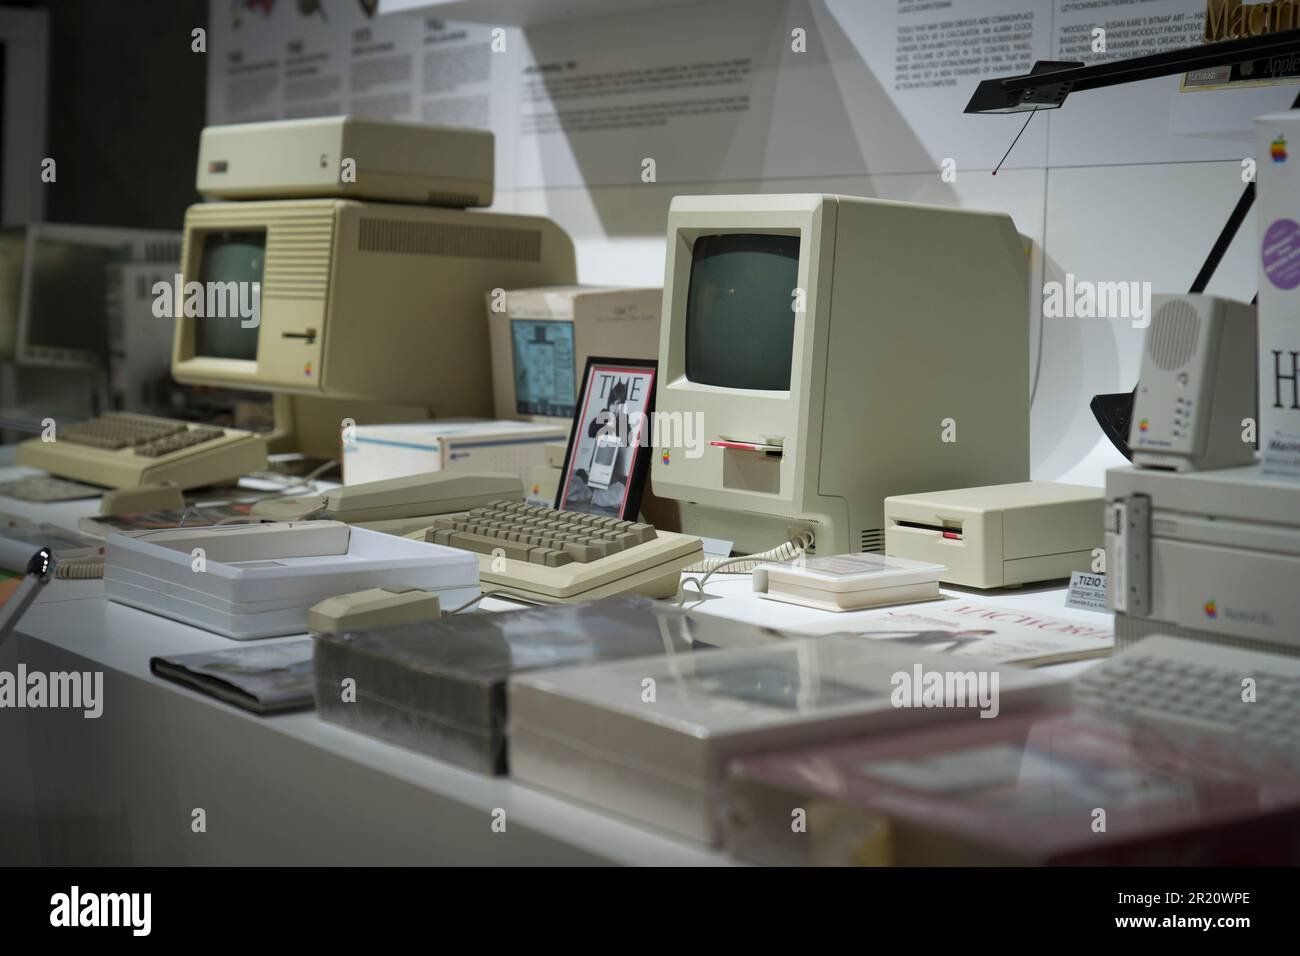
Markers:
<point>75,617</point>
<point>728,595</point>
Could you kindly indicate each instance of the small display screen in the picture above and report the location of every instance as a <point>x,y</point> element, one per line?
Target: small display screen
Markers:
<point>69,282</point>
<point>221,332</point>
<point>740,311</point>
<point>605,453</point>
<point>545,383</point>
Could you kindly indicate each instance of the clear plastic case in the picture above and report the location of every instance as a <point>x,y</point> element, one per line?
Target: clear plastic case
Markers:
<point>440,687</point>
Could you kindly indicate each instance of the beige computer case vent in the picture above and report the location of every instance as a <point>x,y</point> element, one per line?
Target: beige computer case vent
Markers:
<point>297,254</point>
<point>298,262</point>
<point>873,539</point>
<point>448,239</point>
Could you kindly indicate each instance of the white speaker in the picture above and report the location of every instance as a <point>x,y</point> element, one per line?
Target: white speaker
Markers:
<point>1197,397</point>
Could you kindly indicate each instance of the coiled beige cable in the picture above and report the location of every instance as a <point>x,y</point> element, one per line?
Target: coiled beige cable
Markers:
<point>742,564</point>
<point>85,570</point>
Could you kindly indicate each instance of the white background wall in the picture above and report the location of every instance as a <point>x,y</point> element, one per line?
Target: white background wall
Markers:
<point>1128,184</point>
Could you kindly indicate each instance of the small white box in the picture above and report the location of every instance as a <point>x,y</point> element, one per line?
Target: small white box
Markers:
<point>1277,208</point>
<point>541,340</point>
<point>376,452</point>
<point>849,582</point>
<point>259,580</point>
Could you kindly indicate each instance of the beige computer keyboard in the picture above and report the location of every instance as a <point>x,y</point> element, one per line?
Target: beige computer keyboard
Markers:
<point>1199,685</point>
<point>124,450</point>
<point>548,556</point>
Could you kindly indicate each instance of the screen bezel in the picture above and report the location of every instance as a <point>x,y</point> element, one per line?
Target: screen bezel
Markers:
<point>793,416</point>
<point>676,298</point>
<point>249,231</point>
<point>186,357</point>
<point>33,355</point>
<point>295,315</point>
<point>787,303</point>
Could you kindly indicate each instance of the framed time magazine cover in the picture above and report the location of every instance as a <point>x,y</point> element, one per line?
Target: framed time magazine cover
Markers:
<point>608,457</point>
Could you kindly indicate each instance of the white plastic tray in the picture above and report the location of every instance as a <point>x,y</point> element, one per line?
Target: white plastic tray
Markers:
<point>251,581</point>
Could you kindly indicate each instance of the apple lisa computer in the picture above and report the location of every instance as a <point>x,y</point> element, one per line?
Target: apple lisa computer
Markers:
<point>371,275</point>
<point>361,303</point>
<point>836,351</point>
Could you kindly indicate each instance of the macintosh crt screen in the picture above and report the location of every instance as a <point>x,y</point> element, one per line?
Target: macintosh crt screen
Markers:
<point>739,311</point>
<point>229,257</point>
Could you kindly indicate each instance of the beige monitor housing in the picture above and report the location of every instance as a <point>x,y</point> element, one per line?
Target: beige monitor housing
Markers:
<point>907,330</point>
<point>56,290</point>
<point>360,304</point>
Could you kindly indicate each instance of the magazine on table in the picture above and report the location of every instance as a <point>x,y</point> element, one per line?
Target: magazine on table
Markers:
<point>199,516</point>
<point>263,678</point>
<point>962,627</point>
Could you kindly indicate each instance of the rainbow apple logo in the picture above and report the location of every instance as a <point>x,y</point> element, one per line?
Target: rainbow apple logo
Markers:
<point>536,489</point>
<point>1143,425</point>
<point>306,368</point>
<point>1278,150</point>
<point>1211,610</point>
<point>665,458</point>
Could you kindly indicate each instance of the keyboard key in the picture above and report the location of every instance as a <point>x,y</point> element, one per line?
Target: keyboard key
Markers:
<point>485,544</point>
<point>550,557</point>
<point>582,552</point>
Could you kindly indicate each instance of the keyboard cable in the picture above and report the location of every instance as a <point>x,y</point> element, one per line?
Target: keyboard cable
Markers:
<point>743,564</point>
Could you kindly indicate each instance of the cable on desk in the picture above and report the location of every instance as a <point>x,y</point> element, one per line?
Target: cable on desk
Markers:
<point>785,552</point>
<point>472,601</point>
<point>84,570</point>
<point>742,564</point>
<point>293,487</point>
<point>305,483</point>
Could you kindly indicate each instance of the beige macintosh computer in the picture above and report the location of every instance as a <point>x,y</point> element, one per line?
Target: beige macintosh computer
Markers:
<point>836,351</point>
<point>350,303</point>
